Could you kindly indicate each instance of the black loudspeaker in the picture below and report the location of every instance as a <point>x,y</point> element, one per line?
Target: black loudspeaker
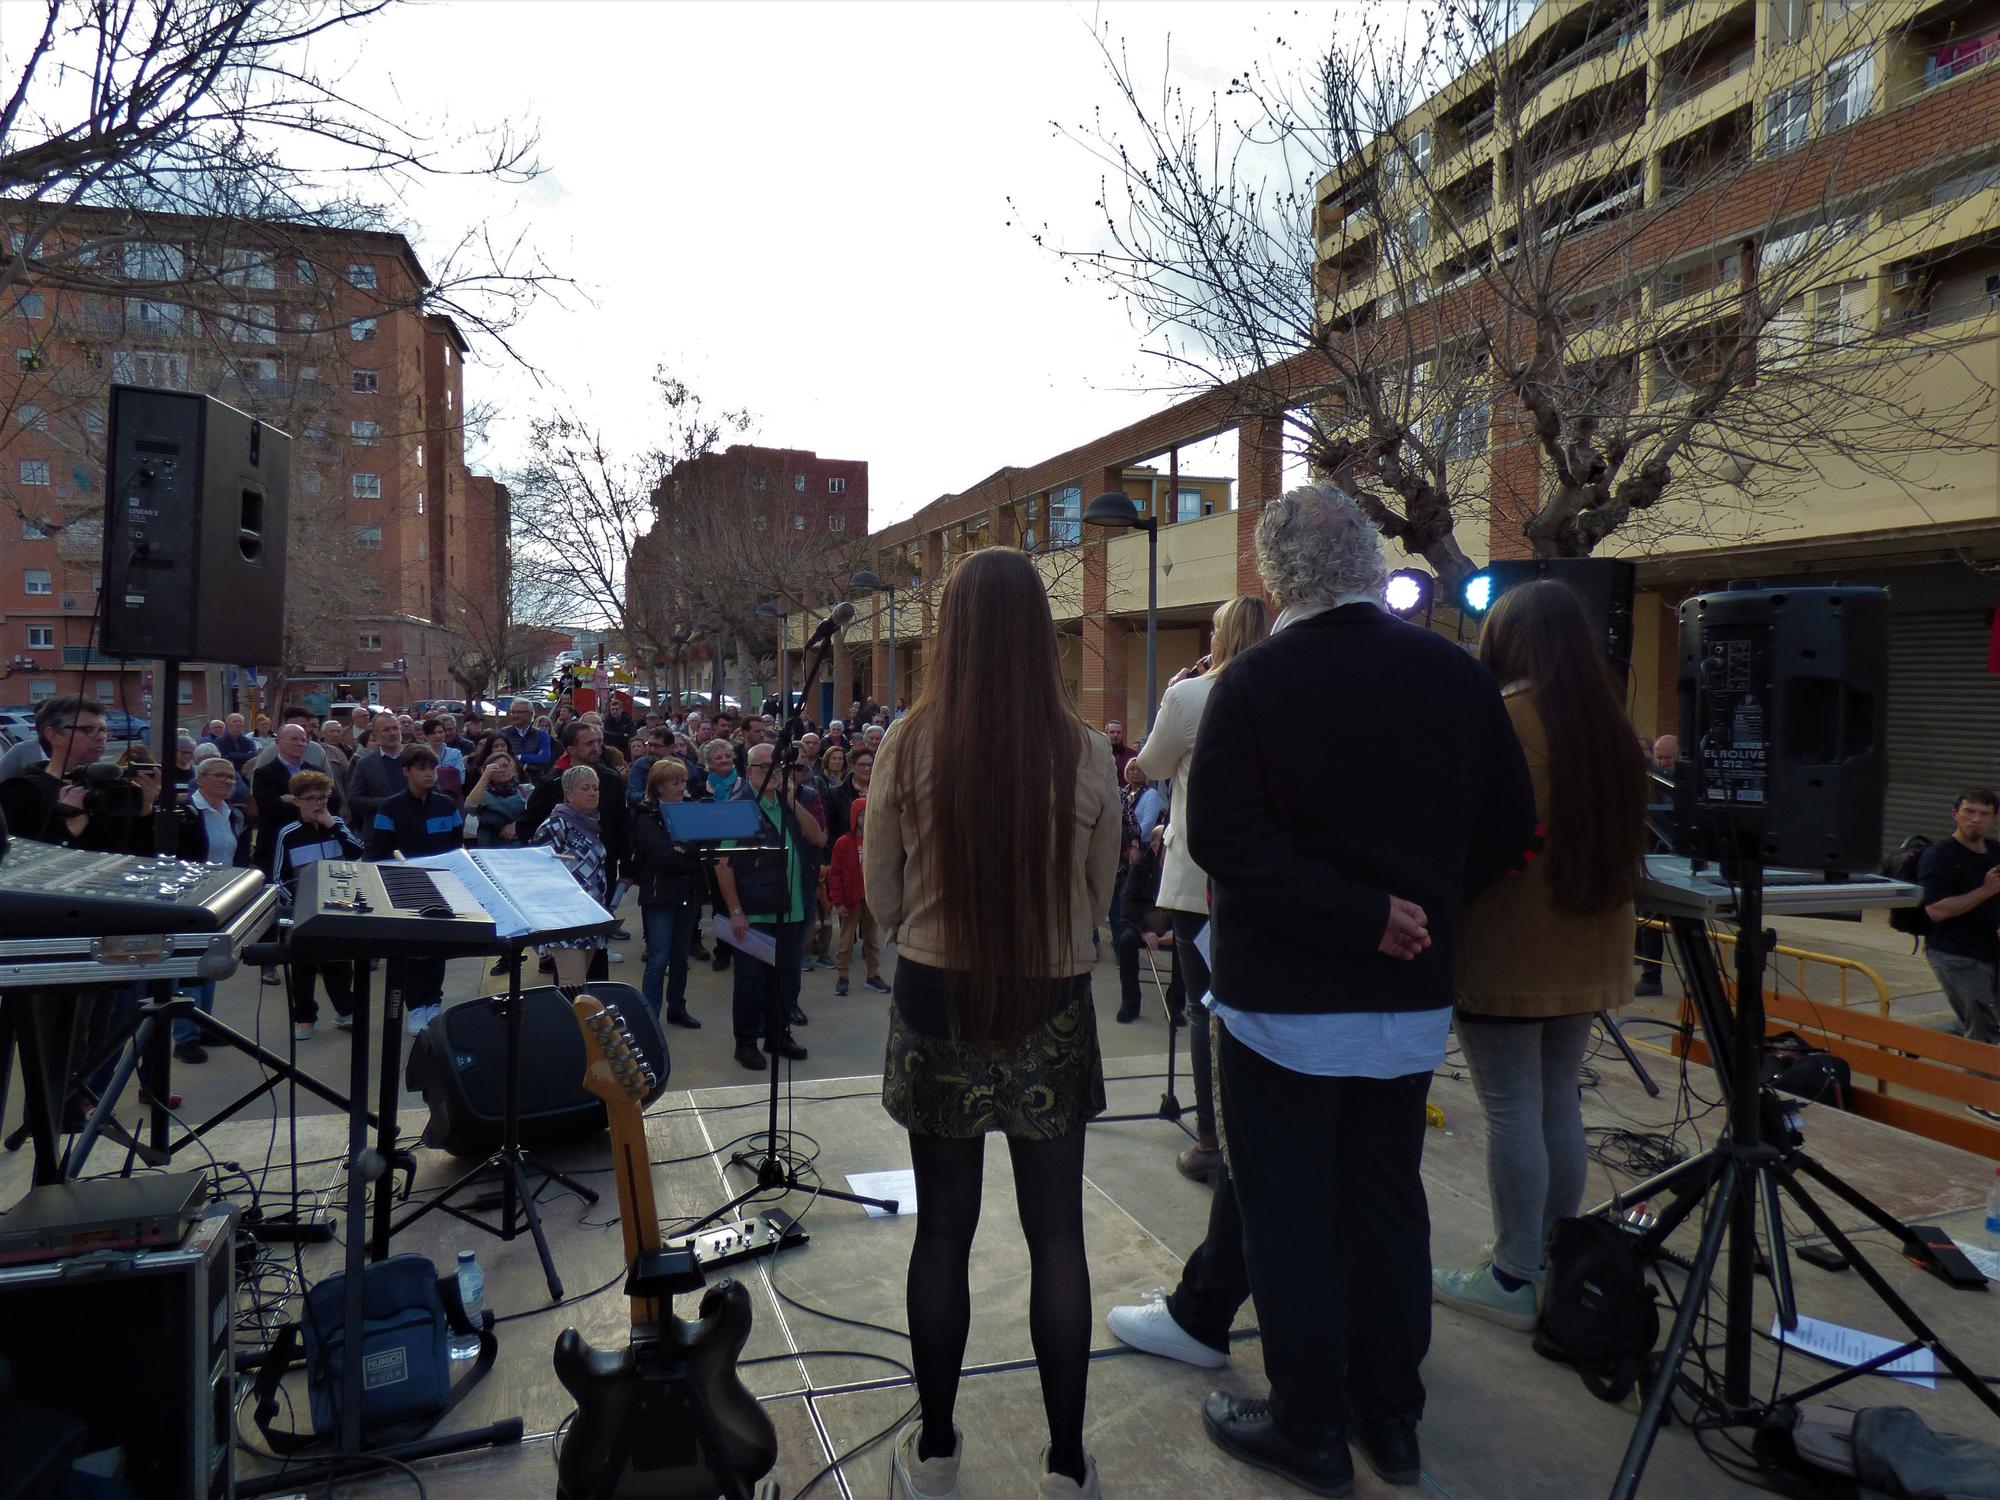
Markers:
<point>459,1065</point>
<point>1604,584</point>
<point>194,530</point>
<point>1784,697</point>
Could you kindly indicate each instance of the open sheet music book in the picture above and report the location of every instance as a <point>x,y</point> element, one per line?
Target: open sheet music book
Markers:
<point>528,892</point>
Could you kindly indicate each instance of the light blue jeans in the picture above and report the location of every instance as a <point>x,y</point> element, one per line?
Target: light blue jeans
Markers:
<point>1525,1073</point>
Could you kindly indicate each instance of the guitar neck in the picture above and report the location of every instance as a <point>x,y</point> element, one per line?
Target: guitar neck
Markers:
<point>639,1219</point>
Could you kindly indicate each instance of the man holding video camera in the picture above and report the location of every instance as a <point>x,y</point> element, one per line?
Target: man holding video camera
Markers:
<point>74,799</point>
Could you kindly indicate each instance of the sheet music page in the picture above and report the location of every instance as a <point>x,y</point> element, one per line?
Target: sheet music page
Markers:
<point>526,891</point>
<point>507,919</point>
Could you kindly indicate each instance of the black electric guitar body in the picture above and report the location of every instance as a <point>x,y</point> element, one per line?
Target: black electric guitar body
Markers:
<point>666,1417</point>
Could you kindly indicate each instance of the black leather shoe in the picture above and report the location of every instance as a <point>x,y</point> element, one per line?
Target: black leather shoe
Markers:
<point>1390,1448</point>
<point>1127,1014</point>
<point>1245,1430</point>
<point>796,1016</point>
<point>191,1052</point>
<point>697,949</point>
<point>787,1048</point>
<point>682,1018</point>
<point>748,1055</point>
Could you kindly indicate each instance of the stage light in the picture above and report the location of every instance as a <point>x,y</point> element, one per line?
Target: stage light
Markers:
<point>1407,591</point>
<point>1477,595</point>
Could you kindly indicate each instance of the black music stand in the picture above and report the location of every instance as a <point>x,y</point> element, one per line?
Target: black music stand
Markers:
<point>1171,1109</point>
<point>513,1161</point>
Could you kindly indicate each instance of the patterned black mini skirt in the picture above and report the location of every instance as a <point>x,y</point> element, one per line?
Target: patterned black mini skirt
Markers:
<point>935,1084</point>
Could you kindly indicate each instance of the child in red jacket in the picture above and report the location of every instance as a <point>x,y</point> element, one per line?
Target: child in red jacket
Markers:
<point>850,899</point>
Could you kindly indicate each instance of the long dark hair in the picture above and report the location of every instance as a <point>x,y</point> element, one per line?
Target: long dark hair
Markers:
<point>1004,748</point>
<point>1538,634</point>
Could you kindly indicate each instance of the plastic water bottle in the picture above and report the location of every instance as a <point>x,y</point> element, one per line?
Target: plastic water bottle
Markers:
<point>1993,1212</point>
<point>472,1294</point>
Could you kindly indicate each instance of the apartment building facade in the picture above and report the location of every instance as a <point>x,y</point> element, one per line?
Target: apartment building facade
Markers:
<point>321,333</point>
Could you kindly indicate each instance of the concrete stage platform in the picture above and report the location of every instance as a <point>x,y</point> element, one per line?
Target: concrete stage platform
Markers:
<point>1501,1422</point>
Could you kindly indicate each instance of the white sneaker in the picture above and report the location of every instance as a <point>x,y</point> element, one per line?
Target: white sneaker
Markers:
<point>302,1032</point>
<point>616,956</point>
<point>345,1023</point>
<point>1151,1327</point>
<point>916,1478</point>
<point>1062,1487</point>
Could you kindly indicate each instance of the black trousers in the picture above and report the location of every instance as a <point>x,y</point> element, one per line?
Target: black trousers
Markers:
<point>338,976</point>
<point>1215,1282</point>
<point>1337,1235</point>
<point>1131,997</point>
<point>758,987</point>
<point>1188,961</point>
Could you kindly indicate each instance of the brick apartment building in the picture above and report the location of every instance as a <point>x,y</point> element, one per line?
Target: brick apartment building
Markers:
<point>791,493</point>
<point>1906,92</point>
<point>393,541</point>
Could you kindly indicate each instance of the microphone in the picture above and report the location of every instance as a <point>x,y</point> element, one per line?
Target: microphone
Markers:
<point>841,617</point>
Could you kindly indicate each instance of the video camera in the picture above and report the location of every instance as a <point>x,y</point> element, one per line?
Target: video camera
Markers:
<point>108,791</point>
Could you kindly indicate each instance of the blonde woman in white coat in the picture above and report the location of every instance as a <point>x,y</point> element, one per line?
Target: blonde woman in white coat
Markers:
<point>1169,748</point>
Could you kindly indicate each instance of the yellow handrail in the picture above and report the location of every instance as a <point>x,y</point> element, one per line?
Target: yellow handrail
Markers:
<point>1845,966</point>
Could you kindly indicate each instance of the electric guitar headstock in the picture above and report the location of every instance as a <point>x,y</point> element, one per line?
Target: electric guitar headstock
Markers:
<point>616,1072</point>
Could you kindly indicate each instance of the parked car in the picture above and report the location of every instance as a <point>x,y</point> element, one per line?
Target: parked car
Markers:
<point>692,699</point>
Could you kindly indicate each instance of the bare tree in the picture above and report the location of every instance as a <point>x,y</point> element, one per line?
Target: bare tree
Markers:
<point>1554,301</point>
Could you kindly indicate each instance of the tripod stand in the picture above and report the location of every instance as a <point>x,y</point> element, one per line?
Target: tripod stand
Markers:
<point>773,1169</point>
<point>1171,1109</point>
<point>1758,1156</point>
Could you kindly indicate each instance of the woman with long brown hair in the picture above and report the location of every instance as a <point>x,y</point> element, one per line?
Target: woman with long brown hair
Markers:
<point>993,837</point>
<point>1546,949</point>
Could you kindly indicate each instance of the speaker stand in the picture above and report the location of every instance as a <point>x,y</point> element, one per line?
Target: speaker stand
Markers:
<point>512,1162</point>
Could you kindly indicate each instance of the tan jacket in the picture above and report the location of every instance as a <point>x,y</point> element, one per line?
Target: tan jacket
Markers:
<point>1519,956</point>
<point>902,892</point>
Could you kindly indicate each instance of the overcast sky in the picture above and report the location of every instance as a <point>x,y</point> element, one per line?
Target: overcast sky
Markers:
<point>803,210</point>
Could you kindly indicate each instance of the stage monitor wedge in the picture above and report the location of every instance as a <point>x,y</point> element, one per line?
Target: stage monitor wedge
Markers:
<point>196,498</point>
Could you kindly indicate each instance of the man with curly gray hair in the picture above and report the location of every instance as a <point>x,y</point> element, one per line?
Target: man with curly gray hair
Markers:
<point>1335,914</point>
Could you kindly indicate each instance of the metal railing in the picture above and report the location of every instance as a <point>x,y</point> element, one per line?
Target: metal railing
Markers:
<point>1843,966</point>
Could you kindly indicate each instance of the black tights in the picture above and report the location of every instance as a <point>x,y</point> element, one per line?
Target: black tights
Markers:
<point>1048,1183</point>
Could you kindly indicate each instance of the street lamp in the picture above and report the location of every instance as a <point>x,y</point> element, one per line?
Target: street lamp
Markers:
<point>771,609</point>
<point>1114,511</point>
<point>865,582</point>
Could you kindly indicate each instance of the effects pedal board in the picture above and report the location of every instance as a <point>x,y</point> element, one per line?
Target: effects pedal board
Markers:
<point>745,1239</point>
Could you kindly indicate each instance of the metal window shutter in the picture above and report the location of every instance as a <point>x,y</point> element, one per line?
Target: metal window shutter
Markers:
<point>1944,720</point>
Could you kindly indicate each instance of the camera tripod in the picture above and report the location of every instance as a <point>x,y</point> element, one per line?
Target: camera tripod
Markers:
<point>1758,1156</point>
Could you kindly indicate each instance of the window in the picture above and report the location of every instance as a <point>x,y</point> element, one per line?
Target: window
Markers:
<point>34,471</point>
<point>423,549</point>
<point>368,538</point>
<point>756,481</point>
<point>93,422</point>
<point>1187,505</point>
<point>420,455</point>
<point>31,529</point>
<point>1418,228</point>
<point>1465,431</point>
<point>150,367</point>
<point>361,330</point>
<point>1785,22</point>
<point>159,319</point>
<point>251,268</point>
<point>836,523</point>
<point>420,502</point>
<point>310,482</point>
<point>798,522</point>
<point>31,417</point>
<point>27,359</point>
<point>364,433</point>
<point>1784,335</point>
<point>31,305</point>
<point>1420,152</point>
<point>1837,314</point>
<point>368,486</point>
<point>366,383</point>
<point>154,262</point>
<point>447,356</point>
<point>41,637</point>
<point>799,483</point>
<point>757,523</point>
<point>1850,85</point>
<point>308,322</point>
<point>184,691</point>
<point>103,689</point>
<point>40,688</point>
<point>447,400</point>
<point>1066,516</point>
<point>249,325</point>
<point>360,273</point>
<point>1787,117</point>
<point>368,640</point>
<point>37,581</point>
<point>836,486</point>
<point>306,272</point>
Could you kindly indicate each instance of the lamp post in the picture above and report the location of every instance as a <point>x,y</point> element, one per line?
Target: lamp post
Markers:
<point>771,609</point>
<point>1115,511</point>
<point>865,582</point>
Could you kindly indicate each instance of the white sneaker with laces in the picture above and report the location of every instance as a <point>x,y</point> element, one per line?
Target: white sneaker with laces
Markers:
<point>1151,1327</point>
<point>913,1478</point>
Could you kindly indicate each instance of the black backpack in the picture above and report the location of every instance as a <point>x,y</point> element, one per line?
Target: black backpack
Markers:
<point>1902,865</point>
<point>1600,1316</point>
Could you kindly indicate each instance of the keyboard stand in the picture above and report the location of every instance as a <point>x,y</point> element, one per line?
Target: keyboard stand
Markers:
<point>512,1162</point>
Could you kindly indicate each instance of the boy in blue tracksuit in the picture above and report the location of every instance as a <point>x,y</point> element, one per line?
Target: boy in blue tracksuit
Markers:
<point>418,820</point>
